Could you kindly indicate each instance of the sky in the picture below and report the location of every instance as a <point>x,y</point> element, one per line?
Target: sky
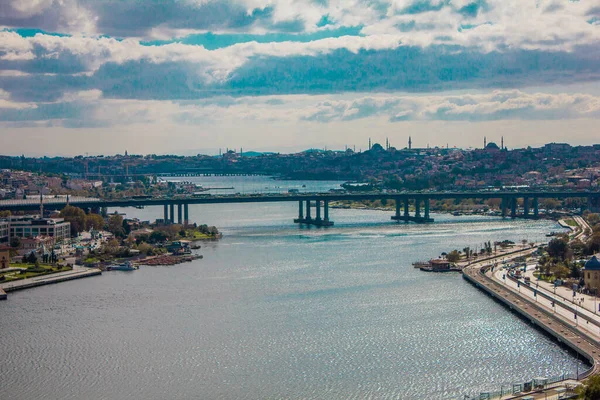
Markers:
<point>195,76</point>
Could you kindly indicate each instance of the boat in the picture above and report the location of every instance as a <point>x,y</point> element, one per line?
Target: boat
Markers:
<point>126,266</point>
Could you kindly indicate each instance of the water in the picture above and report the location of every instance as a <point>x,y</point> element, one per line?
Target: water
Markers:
<point>278,311</point>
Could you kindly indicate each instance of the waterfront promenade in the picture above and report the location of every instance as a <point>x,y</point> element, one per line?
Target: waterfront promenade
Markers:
<point>76,273</point>
<point>582,341</point>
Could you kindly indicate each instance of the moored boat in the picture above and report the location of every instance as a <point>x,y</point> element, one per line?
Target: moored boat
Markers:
<point>126,266</point>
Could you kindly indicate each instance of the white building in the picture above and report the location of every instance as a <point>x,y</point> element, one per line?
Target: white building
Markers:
<point>32,226</point>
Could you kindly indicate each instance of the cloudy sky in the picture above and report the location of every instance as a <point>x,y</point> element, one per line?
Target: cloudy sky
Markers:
<point>189,76</point>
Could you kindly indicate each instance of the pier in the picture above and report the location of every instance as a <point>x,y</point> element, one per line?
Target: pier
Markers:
<point>76,273</point>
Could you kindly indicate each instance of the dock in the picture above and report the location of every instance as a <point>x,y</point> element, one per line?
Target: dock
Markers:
<point>76,273</point>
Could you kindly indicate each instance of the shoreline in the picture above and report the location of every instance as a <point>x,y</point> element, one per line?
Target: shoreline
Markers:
<point>544,320</point>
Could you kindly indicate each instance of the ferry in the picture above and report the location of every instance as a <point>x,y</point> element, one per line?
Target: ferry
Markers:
<point>126,266</point>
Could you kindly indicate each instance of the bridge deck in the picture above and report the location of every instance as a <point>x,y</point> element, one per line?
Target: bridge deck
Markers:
<point>33,204</point>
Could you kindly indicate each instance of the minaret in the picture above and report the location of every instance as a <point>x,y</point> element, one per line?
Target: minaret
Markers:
<point>502,146</point>
<point>409,143</point>
<point>369,143</point>
<point>484,142</point>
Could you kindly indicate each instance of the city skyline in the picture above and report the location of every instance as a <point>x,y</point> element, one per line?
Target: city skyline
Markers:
<point>97,77</point>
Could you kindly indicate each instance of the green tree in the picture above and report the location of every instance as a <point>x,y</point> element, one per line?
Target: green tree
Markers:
<point>591,389</point>
<point>558,248</point>
<point>76,216</point>
<point>111,247</point>
<point>593,244</point>
<point>453,256</point>
<point>15,242</point>
<point>115,225</point>
<point>94,221</point>
<point>145,248</point>
<point>158,236</point>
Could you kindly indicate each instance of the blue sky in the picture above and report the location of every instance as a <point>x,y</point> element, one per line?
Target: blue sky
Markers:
<point>185,76</point>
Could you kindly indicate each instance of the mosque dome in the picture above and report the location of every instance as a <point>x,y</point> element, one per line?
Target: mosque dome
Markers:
<point>492,146</point>
<point>592,264</point>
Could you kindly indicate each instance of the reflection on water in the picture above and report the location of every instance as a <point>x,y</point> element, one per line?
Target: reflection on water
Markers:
<point>279,311</point>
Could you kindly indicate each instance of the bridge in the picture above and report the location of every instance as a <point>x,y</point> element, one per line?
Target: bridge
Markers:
<point>420,202</point>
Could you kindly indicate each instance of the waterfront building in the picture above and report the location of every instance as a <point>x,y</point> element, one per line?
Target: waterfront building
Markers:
<point>36,244</point>
<point>32,226</point>
<point>591,274</point>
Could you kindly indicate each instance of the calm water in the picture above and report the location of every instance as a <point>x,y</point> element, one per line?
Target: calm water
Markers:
<point>276,311</point>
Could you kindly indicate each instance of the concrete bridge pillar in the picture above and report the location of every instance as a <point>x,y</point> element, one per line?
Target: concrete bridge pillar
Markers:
<point>536,208</point>
<point>179,213</point>
<point>166,213</point>
<point>513,207</point>
<point>186,214</point>
<point>417,208</point>
<point>503,207</point>
<point>426,209</point>
<point>397,209</point>
<point>172,213</point>
<point>406,214</point>
<point>307,219</point>
<point>526,206</point>
<point>318,207</point>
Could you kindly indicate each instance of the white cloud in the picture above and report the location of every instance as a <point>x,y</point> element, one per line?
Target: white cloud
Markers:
<point>496,105</point>
<point>491,106</point>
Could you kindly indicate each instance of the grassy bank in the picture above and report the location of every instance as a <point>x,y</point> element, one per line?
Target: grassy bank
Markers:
<point>31,271</point>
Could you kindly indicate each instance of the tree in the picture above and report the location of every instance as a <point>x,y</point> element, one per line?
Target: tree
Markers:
<point>31,258</point>
<point>453,256</point>
<point>111,247</point>
<point>76,216</point>
<point>158,236</point>
<point>593,244</point>
<point>15,242</point>
<point>145,248</point>
<point>115,225</point>
<point>558,248</point>
<point>94,221</point>
<point>550,204</point>
<point>591,390</point>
